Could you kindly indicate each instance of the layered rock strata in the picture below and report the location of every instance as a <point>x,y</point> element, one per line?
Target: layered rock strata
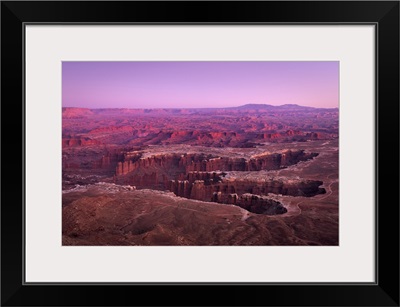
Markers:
<point>208,163</point>
<point>202,177</point>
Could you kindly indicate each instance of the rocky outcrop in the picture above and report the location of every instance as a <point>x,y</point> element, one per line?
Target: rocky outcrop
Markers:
<point>112,130</point>
<point>208,177</point>
<point>253,203</point>
<point>205,189</point>
<point>182,188</point>
<point>76,113</point>
<point>210,186</point>
<point>82,158</point>
<point>206,163</point>
<point>79,141</point>
<point>202,177</point>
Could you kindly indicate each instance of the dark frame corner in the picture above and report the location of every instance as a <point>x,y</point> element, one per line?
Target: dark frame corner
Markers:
<point>385,14</point>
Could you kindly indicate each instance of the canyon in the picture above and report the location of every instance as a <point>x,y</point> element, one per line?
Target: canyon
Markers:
<point>249,167</point>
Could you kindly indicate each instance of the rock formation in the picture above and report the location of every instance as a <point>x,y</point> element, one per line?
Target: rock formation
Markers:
<point>202,177</point>
<point>207,163</point>
<point>79,141</point>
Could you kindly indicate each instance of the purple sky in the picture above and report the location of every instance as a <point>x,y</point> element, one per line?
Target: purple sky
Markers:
<point>198,84</point>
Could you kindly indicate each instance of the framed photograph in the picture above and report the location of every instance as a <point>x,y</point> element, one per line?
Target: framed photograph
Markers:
<point>201,148</point>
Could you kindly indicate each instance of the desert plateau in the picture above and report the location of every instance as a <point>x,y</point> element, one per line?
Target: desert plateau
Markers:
<point>255,174</point>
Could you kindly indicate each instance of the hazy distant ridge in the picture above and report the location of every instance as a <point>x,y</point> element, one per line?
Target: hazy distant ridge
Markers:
<point>250,106</point>
<point>254,106</point>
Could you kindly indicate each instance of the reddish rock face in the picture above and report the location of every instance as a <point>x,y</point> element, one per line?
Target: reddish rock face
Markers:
<point>206,163</point>
<point>205,189</point>
<point>79,141</point>
<point>201,177</point>
<point>76,113</point>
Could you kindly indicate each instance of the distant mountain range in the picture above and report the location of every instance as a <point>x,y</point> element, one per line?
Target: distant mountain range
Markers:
<point>250,106</point>
<point>254,106</point>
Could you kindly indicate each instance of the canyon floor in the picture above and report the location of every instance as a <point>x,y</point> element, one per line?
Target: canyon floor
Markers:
<point>245,176</point>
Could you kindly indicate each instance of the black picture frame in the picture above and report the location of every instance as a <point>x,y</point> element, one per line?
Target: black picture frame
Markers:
<point>383,14</point>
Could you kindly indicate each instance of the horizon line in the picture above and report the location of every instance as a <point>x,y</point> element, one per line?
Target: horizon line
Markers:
<point>174,108</point>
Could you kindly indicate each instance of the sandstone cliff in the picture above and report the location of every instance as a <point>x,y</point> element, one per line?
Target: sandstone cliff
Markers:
<point>207,163</point>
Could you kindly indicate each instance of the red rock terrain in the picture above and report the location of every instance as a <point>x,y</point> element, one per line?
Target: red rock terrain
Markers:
<point>231,127</point>
<point>99,216</point>
<point>270,164</point>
